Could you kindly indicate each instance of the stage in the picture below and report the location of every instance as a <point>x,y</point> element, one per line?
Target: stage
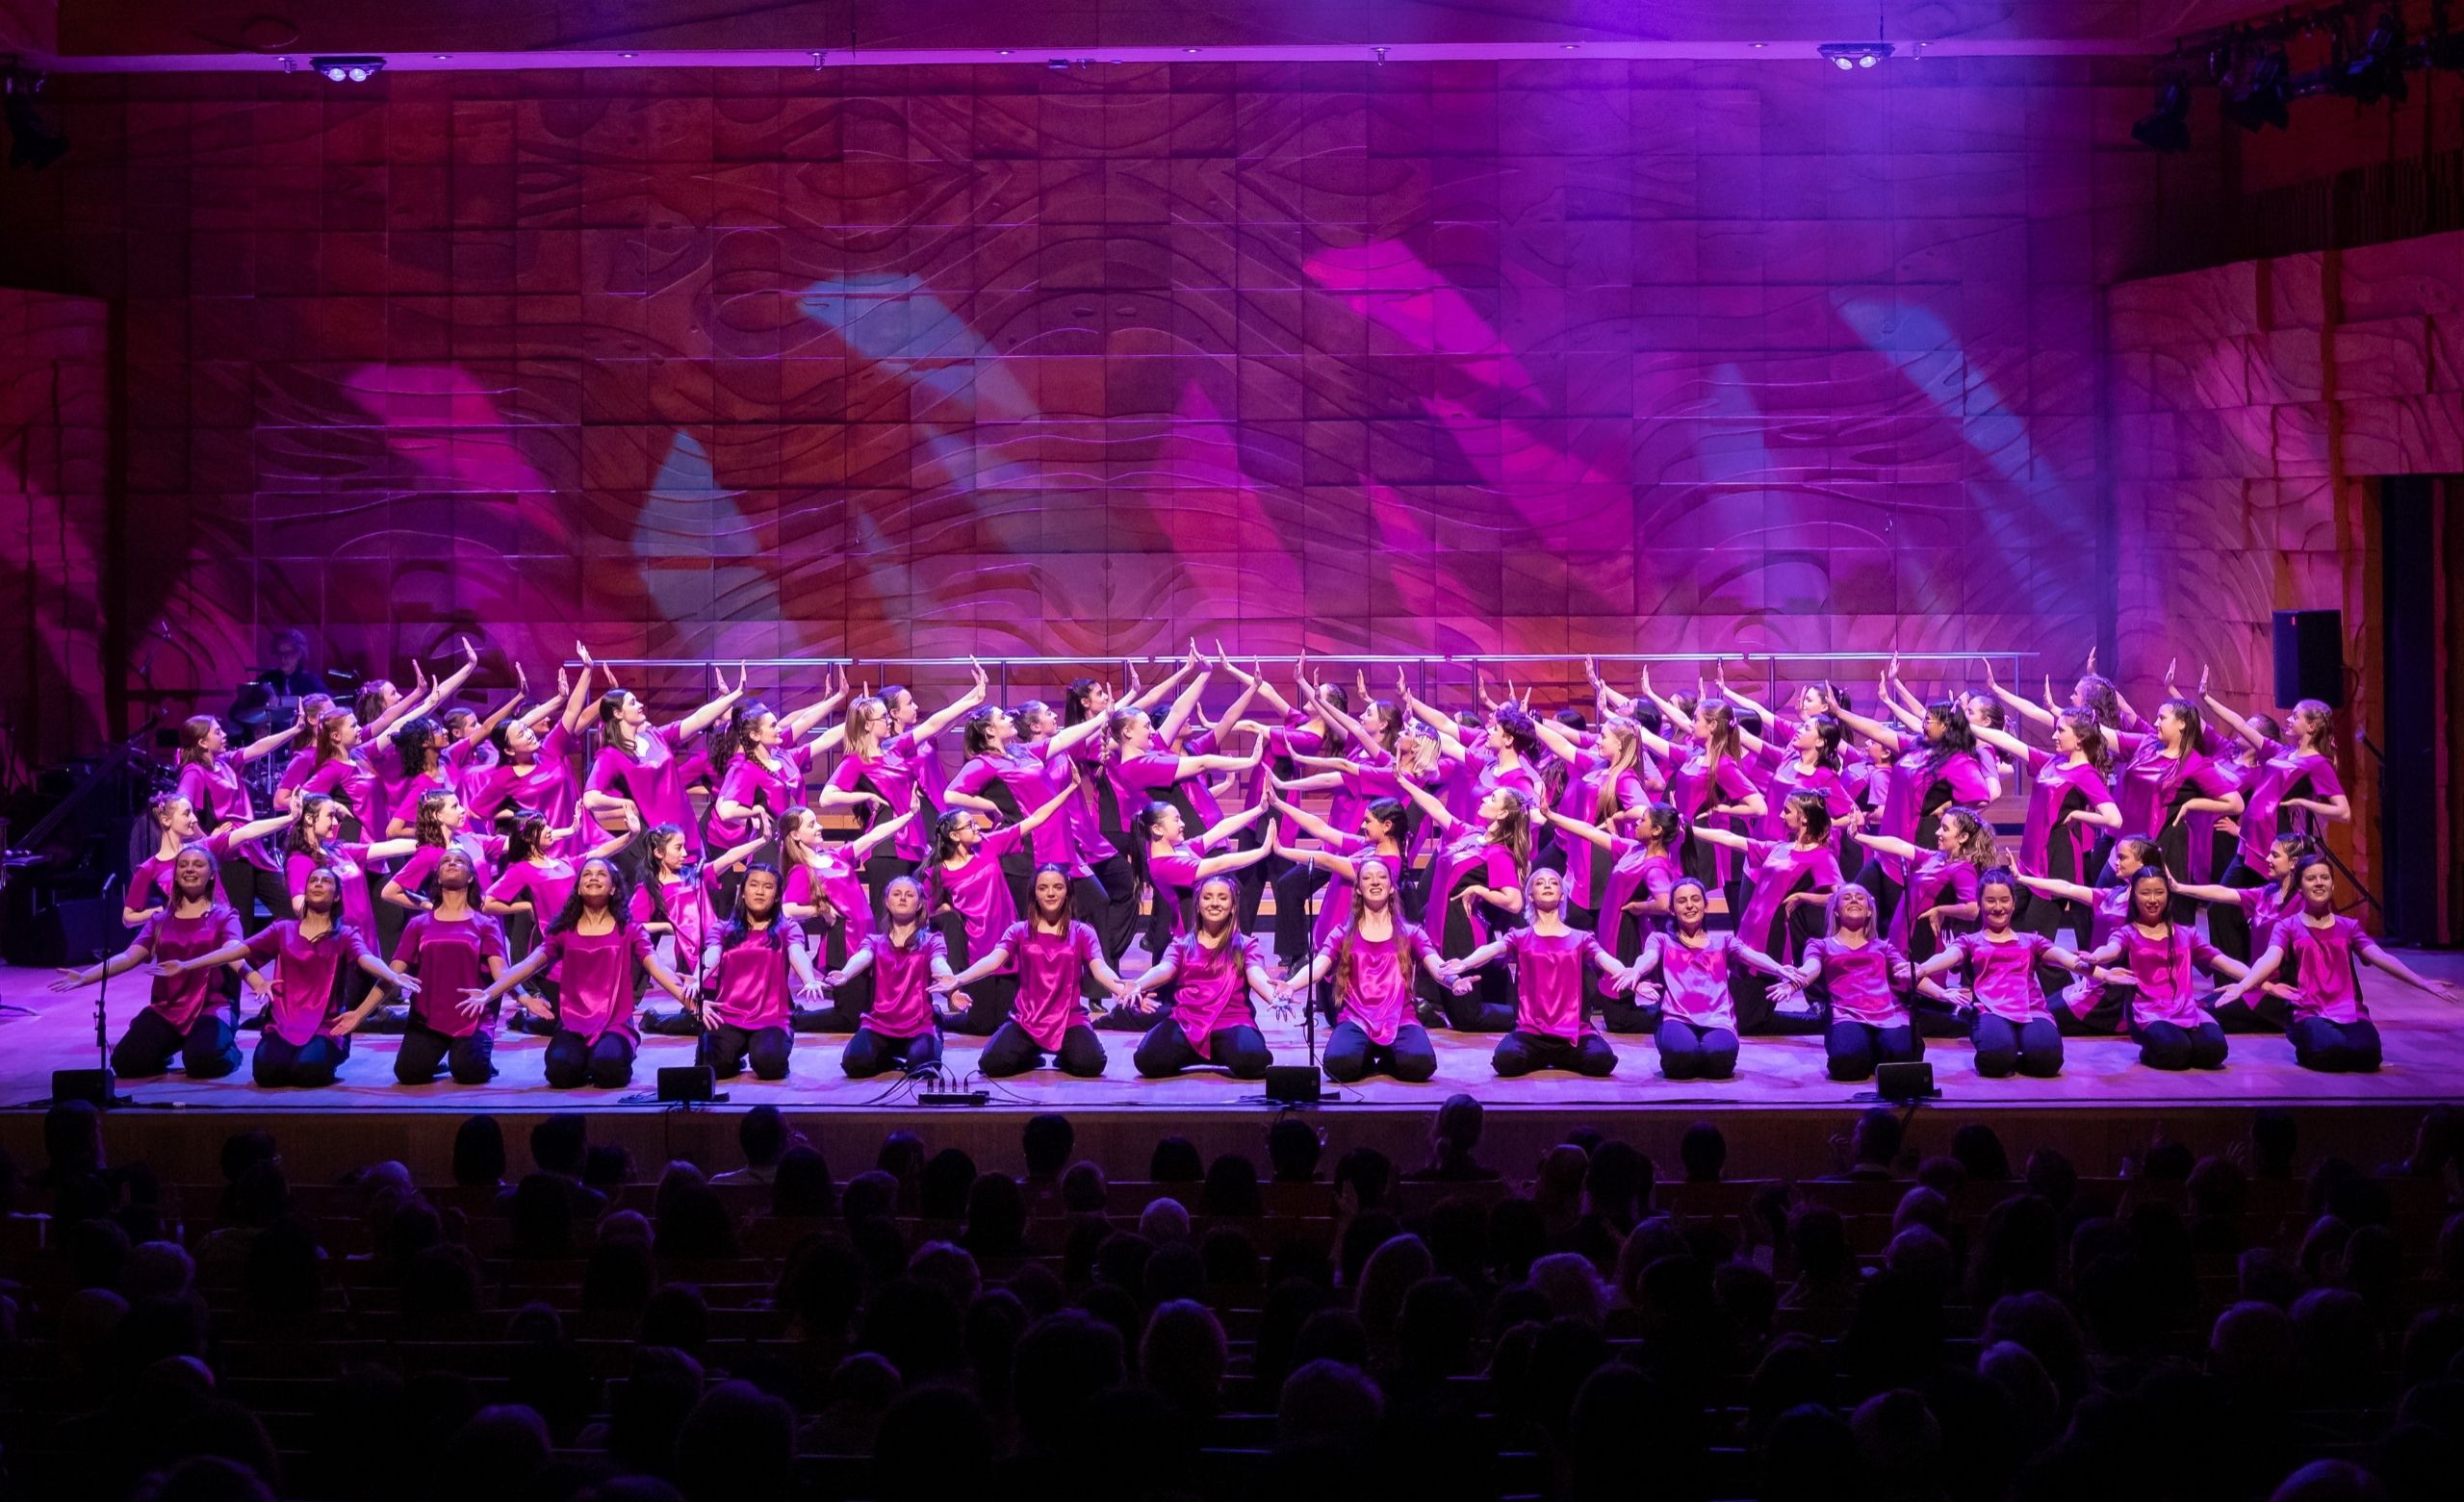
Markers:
<point>2103,1103</point>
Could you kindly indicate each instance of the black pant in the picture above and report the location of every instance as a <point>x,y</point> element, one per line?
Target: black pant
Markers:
<point>868,1053</point>
<point>1489,1006</point>
<point>208,1050</point>
<point>472,1057</point>
<point>1351,1056</point>
<point>1519,1052</point>
<point>2255,1012</point>
<point>1851,1050</point>
<point>2335,1047</point>
<point>307,1065</point>
<point>1625,1015</point>
<point>245,884</point>
<point>989,1000</point>
<point>1688,1051</point>
<point>2168,1046</point>
<point>2228,925</point>
<point>1293,886</point>
<point>767,1048</point>
<point>573,1060</point>
<point>2005,1048</point>
<point>1114,918</point>
<point>847,1003</point>
<point>1167,1050</point>
<point>1013,1052</point>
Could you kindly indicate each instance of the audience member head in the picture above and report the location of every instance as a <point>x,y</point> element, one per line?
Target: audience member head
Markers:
<point>1978,1148</point>
<point>762,1135</point>
<point>1175,1161</point>
<point>478,1153</point>
<point>1292,1149</point>
<point>1703,1152</point>
<point>800,1186</point>
<point>1048,1139</point>
<point>559,1142</point>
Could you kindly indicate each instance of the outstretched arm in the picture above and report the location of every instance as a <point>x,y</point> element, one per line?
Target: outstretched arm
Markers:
<point>700,718</point>
<point>2371,955</point>
<point>2066,891</point>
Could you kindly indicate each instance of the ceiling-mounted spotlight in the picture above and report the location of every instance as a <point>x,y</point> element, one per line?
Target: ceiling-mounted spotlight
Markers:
<point>1847,55</point>
<point>348,70</point>
<point>2377,70</point>
<point>2168,128</point>
<point>36,140</point>
<point>2264,94</point>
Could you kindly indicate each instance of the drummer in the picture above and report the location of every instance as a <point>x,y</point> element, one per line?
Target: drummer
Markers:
<point>288,677</point>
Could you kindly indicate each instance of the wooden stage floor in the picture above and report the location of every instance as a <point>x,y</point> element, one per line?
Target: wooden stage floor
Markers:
<point>2425,1044</point>
<point>1780,1113</point>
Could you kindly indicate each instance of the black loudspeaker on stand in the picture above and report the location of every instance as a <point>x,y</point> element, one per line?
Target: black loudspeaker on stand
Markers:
<point>97,1084</point>
<point>2310,656</point>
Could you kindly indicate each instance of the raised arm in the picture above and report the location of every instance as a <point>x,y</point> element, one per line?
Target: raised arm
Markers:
<point>267,745</point>
<point>2066,891</point>
<point>1727,837</point>
<point>700,718</point>
<point>1882,843</point>
<point>1427,713</point>
<point>1185,703</point>
<point>578,701</point>
<point>2019,703</point>
<point>799,725</point>
<point>1230,824</point>
<point>957,709</point>
<point>1440,817</point>
<point>1873,729</point>
<point>1579,828</point>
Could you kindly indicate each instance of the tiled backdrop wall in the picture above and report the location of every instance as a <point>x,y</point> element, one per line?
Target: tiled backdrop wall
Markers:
<point>1544,358</point>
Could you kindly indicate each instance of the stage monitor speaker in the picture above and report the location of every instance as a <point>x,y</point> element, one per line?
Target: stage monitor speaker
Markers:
<point>2310,656</point>
<point>1905,1084</point>
<point>95,1086</point>
<point>1291,1085</point>
<point>687,1085</point>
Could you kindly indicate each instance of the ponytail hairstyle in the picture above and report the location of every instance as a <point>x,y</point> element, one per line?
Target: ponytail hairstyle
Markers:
<point>329,736</point>
<point>2096,693</point>
<point>160,807</point>
<point>611,720</point>
<point>738,740</point>
<point>525,830</point>
<point>982,739</point>
<point>1983,710</point>
<point>1394,816</point>
<point>429,825</point>
<point>1688,702</point>
<point>1029,711</point>
<point>1958,737</point>
<point>1387,728</point>
<point>2144,851</point>
<point>863,742</point>
<point>1404,959</point>
<point>1036,923</point>
<point>1572,718</point>
<point>1142,835</point>
<point>1976,845</point>
<point>2093,745</point>
<point>1663,826</point>
<point>368,706</point>
<point>2193,724</point>
<point>2301,867</point>
<point>1647,715</point>
<point>1619,749</point>
<point>655,888</point>
<point>195,731</point>
<point>1723,742</point>
<point>411,748</point>
<point>1832,905</point>
<point>1827,733</point>
<point>1423,758</point>
<point>619,903</point>
<point>740,925</point>
<point>457,723</point>
<point>2316,724</point>
<point>314,705</point>
<point>501,737</point>
<point>1073,700</point>
<point>1516,721</point>
<point>301,839</point>
<point>1513,830</point>
<point>1814,814</point>
<point>2298,847</point>
<point>945,831</point>
<point>1117,726</point>
<point>2269,728</point>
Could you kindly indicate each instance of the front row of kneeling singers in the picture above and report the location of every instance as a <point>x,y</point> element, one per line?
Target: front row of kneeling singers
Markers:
<point>450,964</point>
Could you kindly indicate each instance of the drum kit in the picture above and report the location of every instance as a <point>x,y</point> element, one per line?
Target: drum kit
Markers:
<point>259,707</point>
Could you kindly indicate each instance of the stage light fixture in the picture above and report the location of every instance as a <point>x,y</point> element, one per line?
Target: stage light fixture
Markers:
<point>1847,55</point>
<point>2377,70</point>
<point>36,140</point>
<point>348,70</point>
<point>2168,128</point>
<point>2264,95</point>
